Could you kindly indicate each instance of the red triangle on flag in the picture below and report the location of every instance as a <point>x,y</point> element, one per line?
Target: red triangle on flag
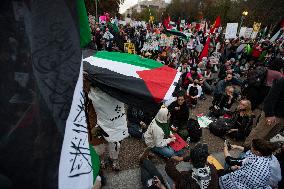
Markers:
<point>158,81</point>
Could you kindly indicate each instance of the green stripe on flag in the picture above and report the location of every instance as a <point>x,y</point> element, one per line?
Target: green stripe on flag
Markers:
<point>129,59</point>
<point>85,31</point>
<point>95,159</point>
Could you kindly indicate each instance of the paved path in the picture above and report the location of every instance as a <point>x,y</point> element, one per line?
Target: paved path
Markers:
<point>130,179</point>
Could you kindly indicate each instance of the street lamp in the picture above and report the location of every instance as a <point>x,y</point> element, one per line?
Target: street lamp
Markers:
<point>244,14</point>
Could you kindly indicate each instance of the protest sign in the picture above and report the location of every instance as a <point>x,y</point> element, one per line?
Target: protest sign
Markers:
<point>231,30</point>
<point>242,31</point>
<point>248,32</point>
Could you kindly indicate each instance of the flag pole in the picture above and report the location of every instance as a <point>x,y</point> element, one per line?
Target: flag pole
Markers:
<point>97,10</point>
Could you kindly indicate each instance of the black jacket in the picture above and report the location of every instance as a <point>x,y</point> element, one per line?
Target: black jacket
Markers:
<point>274,102</point>
<point>135,115</point>
<point>178,117</point>
<point>242,123</point>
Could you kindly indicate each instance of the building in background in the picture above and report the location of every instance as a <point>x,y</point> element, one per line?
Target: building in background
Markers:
<point>141,5</point>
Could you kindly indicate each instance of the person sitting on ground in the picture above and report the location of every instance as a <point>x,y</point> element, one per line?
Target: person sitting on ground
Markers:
<point>223,68</point>
<point>179,115</point>
<point>202,175</point>
<point>138,121</point>
<point>194,92</point>
<point>206,88</point>
<point>254,171</point>
<point>150,176</point>
<point>222,104</point>
<point>242,121</point>
<point>222,84</point>
<point>158,134</point>
<point>190,77</point>
<point>208,75</point>
<point>184,68</point>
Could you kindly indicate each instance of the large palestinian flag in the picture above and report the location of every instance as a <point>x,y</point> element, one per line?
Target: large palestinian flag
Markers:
<point>131,79</point>
<point>52,149</point>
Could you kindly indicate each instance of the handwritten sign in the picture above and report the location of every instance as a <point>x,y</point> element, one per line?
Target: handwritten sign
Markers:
<point>129,47</point>
<point>231,30</point>
<point>248,32</point>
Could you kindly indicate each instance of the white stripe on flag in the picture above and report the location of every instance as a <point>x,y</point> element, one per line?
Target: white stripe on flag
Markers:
<point>118,67</point>
<point>172,87</point>
<point>75,168</point>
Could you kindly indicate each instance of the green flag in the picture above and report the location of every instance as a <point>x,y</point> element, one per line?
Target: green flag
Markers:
<point>85,31</point>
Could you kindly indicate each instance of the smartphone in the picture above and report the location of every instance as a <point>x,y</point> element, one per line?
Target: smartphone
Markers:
<point>228,145</point>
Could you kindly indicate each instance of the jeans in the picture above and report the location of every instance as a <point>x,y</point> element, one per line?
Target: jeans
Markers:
<point>167,151</point>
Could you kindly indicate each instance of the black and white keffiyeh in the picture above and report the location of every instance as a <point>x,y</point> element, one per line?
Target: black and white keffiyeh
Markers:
<point>202,176</point>
<point>254,173</point>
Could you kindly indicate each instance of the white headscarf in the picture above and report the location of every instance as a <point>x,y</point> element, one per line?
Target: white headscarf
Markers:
<point>162,115</point>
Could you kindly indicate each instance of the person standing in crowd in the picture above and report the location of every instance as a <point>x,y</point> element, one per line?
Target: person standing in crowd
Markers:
<point>272,117</point>
<point>108,37</point>
<point>98,38</point>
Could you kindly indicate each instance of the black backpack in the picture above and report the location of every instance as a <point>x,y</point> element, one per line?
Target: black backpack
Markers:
<point>257,76</point>
<point>220,127</point>
<point>194,130</point>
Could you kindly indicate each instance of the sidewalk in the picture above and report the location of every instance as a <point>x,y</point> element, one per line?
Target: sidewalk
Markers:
<point>130,179</point>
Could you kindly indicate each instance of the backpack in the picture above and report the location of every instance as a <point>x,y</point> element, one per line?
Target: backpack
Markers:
<point>194,130</point>
<point>257,76</point>
<point>193,91</point>
<point>220,127</point>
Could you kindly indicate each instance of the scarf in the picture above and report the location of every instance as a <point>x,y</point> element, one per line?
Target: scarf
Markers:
<point>254,173</point>
<point>165,127</point>
<point>202,176</point>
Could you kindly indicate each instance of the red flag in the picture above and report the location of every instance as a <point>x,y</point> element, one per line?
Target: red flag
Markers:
<point>167,23</point>
<point>217,24</point>
<point>205,50</point>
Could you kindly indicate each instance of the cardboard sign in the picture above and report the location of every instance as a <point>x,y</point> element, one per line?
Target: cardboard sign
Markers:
<point>242,31</point>
<point>248,32</point>
<point>256,26</point>
<point>178,144</point>
<point>231,30</point>
<point>129,47</point>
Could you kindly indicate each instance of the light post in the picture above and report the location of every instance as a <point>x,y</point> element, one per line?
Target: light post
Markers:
<point>244,14</point>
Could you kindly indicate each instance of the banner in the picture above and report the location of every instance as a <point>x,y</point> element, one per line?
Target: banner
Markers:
<point>110,115</point>
<point>231,30</point>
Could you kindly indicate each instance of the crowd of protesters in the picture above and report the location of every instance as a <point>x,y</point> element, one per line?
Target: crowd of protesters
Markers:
<point>244,72</point>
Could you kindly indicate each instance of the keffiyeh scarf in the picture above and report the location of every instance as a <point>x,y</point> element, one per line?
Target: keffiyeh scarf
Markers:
<point>202,176</point>
<point>254,173</point>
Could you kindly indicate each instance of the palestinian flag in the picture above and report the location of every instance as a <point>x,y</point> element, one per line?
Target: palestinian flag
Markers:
<point>51,150</point>
<point>134,80</point>
<point>85,31</point>
<point>176,33</point>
